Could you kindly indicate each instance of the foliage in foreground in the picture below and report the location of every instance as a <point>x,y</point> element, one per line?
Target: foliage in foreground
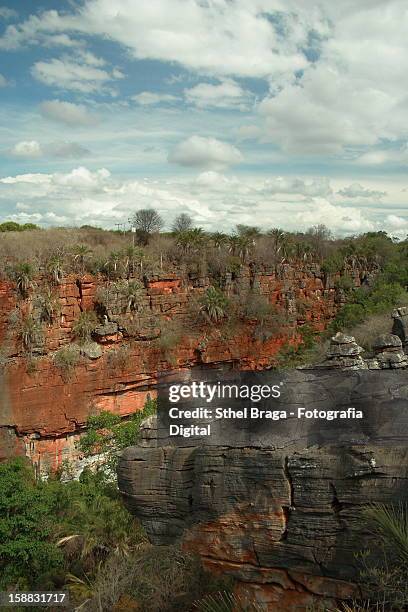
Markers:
<point>78,535</point>
<point>107,433</point>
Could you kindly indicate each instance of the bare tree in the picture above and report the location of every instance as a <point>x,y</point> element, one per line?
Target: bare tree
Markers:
<point>182,223</point>
<point>147,221</point>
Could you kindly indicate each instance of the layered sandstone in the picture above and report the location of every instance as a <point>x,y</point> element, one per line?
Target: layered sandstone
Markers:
<point>279,508</point>
<point>42,411</point>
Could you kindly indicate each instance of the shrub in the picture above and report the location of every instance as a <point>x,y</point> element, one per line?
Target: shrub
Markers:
<point>345,283</point>
<point>30,333</point>
<point>118,358</point>
<point>107,433</point>
<point>332,264</point>
<point>48,304</point>
<point>170,336</point>
<point>23,274</point>
<point>66,358</point>
<point>84,326</point>
<point>384,568</point>
<point>28,519</point>
<point>257,307</point>
<point>366,332</point>
<point>214,305</point>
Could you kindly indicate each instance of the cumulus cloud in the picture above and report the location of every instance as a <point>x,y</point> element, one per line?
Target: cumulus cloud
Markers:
<point>358,191</point>
<point>82,72</point>
<point>341,221</point>
<point>67,112</point>
<point>213,199</point>
<point>353,95</point>
<point>3,81</point>
<point>31,149</point>
<point>27,149</point>
<point>149,98</point>
<point>225,94</point>
<point>201,152</point>
<point>240,33</point>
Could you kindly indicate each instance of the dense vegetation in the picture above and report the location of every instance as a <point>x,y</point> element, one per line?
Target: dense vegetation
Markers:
<point>77,535</point>
<point>125,259</point>
<point>124,254</point>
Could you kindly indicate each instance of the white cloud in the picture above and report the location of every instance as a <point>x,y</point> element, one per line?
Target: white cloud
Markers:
<point>34,179</point>
<point>225,94</point>
<point>3,81</point>
<point>67,112</point>
<point>81,72</point>
<point>27,149</point>
<point>149,98</point>
<point>7,13</point>
<point>380,157</point>
<point>353,96</point>
<point>358,191</point>
<point>340,220</point>
<point>239,33</point>
<point>201,152</point>
<point>31,149</point>
<point>214,200</point>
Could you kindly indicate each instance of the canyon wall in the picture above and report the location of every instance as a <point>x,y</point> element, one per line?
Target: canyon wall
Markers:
<point>282,513</point>
<point>44,409</point>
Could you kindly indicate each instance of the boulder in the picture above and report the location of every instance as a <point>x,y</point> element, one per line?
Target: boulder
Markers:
<point>388,342</point>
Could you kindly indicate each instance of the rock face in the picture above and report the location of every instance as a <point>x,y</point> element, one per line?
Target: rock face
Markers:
<point>284,520</point>
<point>44,409</point>
<point>285,525</point>
<point>400,327</point>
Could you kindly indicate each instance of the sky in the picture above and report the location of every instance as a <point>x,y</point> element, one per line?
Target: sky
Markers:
<point>274,113</point>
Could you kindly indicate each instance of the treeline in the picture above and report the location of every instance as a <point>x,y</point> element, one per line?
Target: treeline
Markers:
<point>147,250</point>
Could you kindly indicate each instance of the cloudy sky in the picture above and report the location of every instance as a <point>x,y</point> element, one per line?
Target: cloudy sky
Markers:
<point>275,113</point>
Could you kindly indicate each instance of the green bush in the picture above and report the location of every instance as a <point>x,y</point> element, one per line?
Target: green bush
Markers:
<point>84,326</point>
<point>30,333</point>
<point>28,519</point>
<point>214,305</point>
<point>107,433</point>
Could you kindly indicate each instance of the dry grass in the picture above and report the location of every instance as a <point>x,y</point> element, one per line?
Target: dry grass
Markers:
<point>367,332</point>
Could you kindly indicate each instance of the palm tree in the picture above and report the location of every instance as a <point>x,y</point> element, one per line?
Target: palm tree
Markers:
<point>30,333</point>
<point>233,244</point>
<point>219,239</point>
<point>132,257</point>
<point>244,245</point>
<point>114,260</point>
<point>81,252</point>
<point>132,292</point>
<point>55,267</point>
<point>192,240</point>
<point>214,305</point>
<point>24,273</point>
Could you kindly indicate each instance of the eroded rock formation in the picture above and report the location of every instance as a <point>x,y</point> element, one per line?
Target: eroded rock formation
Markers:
<point>285,520</point>
<point>43,410</point>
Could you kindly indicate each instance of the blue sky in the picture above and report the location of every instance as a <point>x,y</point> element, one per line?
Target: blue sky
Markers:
<point>236,111</point>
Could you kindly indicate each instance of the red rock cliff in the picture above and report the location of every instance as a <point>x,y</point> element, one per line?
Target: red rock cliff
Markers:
<point>42,411</point>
